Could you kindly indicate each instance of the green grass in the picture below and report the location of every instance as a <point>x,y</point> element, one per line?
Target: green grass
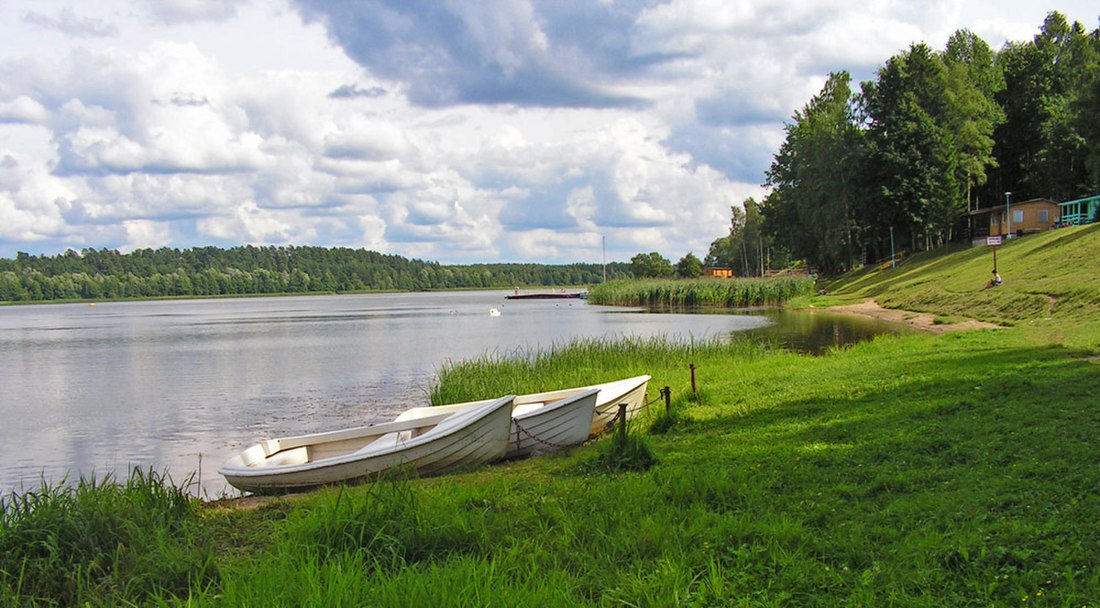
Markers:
<point>1047,275</point>
<point>681,293</point>
<point>958,469</point>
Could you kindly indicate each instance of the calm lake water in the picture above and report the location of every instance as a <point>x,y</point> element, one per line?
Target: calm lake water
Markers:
<point>181,385</point>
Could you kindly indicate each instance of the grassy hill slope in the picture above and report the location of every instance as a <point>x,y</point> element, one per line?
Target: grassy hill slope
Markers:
<point>1053,275</point>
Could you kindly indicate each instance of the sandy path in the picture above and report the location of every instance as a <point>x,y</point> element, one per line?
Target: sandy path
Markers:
<point>918,320</point>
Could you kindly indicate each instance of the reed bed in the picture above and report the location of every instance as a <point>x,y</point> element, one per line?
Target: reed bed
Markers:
<point>688,293</point>
<point>579,363</point>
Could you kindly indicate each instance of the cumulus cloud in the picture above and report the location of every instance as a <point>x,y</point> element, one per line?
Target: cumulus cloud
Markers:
<point>23,109</point>
<point>493,52</point>
<point>123,114</point>
<point>190,11</point>
<point>351,91</point>
<point>145,234</point>
<point>32,202</point>
<point>249,223</point>
<point>68,23</point>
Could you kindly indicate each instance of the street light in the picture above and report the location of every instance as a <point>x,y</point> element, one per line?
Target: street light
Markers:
<point>1008,213</point>
<point>892,263</point>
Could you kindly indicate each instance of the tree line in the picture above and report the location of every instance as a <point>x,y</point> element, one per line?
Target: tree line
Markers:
<point>212,271</point>
<point>901,161</point>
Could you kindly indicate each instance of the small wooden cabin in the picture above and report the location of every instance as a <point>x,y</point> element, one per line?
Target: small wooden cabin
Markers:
<point>1035,215</point>
<point>719,273</point>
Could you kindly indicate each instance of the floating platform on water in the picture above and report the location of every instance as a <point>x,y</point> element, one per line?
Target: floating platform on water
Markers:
<point>554,295</point>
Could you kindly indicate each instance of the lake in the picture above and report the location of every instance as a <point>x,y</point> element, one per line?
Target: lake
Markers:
<point>180,385</point>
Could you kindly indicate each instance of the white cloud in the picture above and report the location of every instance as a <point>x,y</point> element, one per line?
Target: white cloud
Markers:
<point>69,23</point>
<point>32,202</point>
<point>248,223</point>
<point>581,205</point>
<point>23,109</point>
<point>185,11</point>
<point>144,234</point>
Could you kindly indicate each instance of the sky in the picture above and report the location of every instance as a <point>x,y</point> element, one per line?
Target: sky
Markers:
<point>457,131</point>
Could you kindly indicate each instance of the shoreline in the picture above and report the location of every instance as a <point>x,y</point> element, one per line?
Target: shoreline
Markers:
<point>917,320</point>
<point>868,308</point>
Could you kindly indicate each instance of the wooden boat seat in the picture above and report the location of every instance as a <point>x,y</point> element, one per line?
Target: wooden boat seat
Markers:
<point>385,441</point>
<point>526,408</point>
<point>299,455</point>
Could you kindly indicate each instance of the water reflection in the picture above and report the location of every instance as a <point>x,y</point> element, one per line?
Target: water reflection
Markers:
<point>812,332</point>
<point>816,332</point>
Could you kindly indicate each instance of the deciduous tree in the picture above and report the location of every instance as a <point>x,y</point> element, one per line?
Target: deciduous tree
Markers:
<point>814,180</point>
<point>689,267</point>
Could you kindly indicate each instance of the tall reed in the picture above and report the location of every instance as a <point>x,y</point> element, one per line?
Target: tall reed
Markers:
<point>578,363</point>
<point>64,544</point>
<point>686,293</point>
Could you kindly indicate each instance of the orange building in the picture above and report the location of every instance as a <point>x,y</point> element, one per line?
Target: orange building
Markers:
<point>1035,215</point>
<point>718,273</point>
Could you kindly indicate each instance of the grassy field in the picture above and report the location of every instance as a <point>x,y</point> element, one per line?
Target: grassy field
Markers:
<point>959,469</point>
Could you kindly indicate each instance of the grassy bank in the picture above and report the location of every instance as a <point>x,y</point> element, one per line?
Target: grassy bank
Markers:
<point>915,470</point>
<point>1051,279</point>
<point>680,293</point>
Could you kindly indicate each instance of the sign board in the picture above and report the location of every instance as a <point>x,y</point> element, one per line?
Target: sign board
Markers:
<point>992,240</point>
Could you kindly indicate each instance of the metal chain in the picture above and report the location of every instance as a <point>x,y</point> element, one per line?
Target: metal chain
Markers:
<point>644,406</point>
<point>660,395</point>
<point>519,428</point>
<point>610,423</point>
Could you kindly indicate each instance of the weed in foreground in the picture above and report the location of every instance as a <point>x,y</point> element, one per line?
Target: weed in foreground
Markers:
<point>624,452</point>
<point>383,521</point>
<point>665,422</point>
<point>66,544</point>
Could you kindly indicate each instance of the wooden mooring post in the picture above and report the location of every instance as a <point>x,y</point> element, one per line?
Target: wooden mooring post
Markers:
<point>667,393</point>
<point>622,421</point>
<point>693,390</point>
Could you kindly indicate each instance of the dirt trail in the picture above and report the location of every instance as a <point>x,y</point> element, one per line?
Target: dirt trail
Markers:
<point>917,320</point>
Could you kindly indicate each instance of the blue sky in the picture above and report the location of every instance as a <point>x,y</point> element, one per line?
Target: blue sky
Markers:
<point>457,131</point>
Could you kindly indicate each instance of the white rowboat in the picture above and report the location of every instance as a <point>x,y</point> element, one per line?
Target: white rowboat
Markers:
<point>537,426</point>
<point>629,391</point>
<point>430,445</point>
<point>538,429</point>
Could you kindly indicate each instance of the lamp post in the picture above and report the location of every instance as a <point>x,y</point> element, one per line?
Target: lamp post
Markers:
<point>893,264</point>
<point>1008,214</point>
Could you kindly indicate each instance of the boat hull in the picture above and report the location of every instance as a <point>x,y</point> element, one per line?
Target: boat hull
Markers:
<point>427,446</point>
<point>545,296</point>
<point>630,392</point>
<point>553,426</point>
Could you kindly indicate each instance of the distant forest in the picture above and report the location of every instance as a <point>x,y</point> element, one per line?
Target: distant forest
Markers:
<point>210,271</point>
<point>900,160</point>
